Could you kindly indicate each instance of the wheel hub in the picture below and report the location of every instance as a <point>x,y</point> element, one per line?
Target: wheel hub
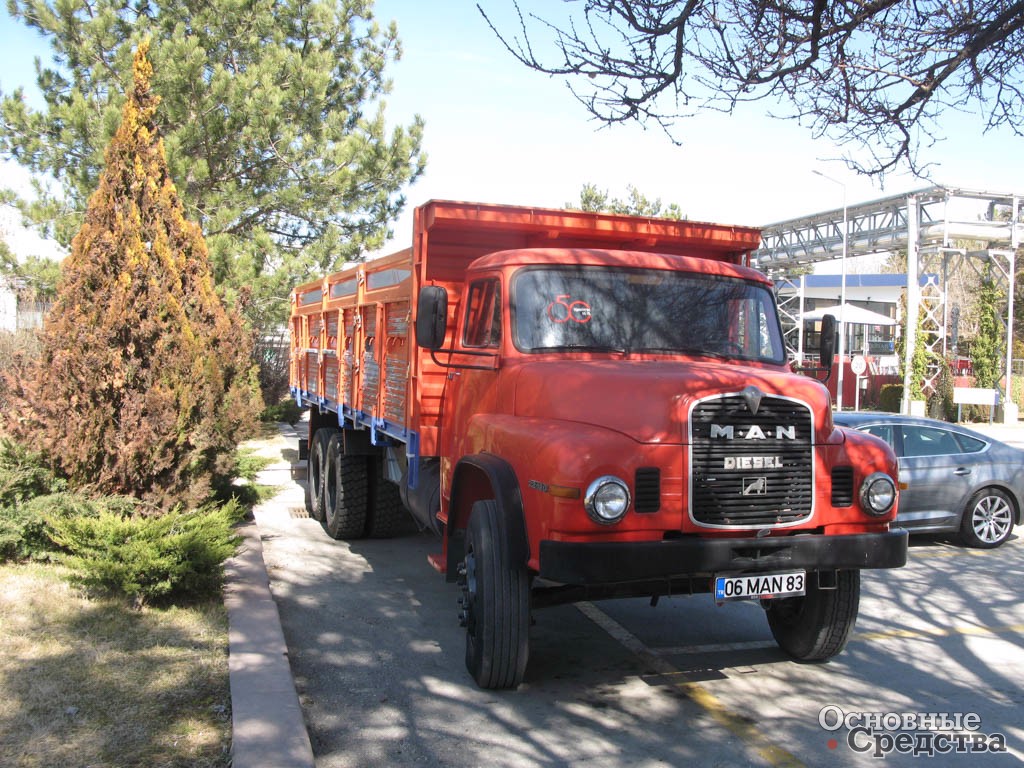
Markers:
<point>990,520</point>
<point>467,580</point>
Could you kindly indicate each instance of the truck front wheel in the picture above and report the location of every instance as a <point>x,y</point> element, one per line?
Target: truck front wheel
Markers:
<point>496,604</point>
<point>345,492</point>
<point>815,627</point>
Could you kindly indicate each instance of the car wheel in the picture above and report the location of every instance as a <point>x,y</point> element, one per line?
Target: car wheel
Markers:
<point>988,519</point>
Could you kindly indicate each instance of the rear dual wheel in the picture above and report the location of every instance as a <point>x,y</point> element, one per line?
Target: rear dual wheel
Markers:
<point>345,492</point>
<point>315,473</point>
<point>353,500</point>
<point>385,515</point>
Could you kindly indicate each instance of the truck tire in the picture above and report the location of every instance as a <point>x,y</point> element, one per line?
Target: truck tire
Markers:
<point>815,627</point>
<point>385,513</point>
<point>345,492</point>
<point>496,604</point>
<point>315,474</point>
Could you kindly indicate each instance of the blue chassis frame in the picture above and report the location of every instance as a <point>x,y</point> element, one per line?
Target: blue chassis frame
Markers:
<point>383,433</point>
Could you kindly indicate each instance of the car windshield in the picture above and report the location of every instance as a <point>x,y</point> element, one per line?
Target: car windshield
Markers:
<point>631,310</point>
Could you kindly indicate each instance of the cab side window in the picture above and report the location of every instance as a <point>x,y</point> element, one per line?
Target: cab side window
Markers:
<point>483,315</point>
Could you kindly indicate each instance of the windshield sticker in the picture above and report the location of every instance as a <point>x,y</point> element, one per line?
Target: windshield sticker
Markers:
<point>563,309</point>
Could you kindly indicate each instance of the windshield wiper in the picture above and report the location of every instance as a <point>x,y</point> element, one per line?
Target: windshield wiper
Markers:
<point>688,351</point>
<point>580,348</point>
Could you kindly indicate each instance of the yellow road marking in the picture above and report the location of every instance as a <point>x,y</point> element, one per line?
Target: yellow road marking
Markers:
<point>773,754</point>
<point>916,634</point>
<point>925,554</point>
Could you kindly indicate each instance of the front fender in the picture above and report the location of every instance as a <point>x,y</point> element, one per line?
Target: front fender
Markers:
<point>486,476</point>
<point>557,451</point>
<point>554,462</point>
<point>867,454</point>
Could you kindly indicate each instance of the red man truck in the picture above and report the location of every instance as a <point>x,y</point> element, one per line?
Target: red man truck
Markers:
<point>585,406</point>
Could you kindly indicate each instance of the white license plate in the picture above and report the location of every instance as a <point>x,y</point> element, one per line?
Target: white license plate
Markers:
<point>761,586</point>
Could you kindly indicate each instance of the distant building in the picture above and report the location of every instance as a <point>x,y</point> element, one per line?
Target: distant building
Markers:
<point>879,294</point>
<point>8,306</point>
<point>17,312</point>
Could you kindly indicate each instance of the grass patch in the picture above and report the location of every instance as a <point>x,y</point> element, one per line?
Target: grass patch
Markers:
<point>249,463</point>
<point>87,682</point>
<point>245,488</point>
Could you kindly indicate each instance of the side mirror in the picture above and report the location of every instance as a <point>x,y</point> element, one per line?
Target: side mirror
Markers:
<point>827,343</point>
<point>431,317</point>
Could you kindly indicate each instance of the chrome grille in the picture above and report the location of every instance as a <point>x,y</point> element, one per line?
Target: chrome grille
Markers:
<point>751,469</point>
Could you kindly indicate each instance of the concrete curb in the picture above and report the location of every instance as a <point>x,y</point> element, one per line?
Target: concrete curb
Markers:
<point>267,726</point>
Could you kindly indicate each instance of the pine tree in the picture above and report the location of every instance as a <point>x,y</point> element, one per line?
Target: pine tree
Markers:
<point>273,116</point>
<point>144,386</point>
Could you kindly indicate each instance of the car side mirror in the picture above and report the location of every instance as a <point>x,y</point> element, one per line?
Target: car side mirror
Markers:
<point>827,343</point>
<point>431,317</point>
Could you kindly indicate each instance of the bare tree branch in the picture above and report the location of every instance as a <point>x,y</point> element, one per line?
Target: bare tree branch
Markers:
<point>877,74</point>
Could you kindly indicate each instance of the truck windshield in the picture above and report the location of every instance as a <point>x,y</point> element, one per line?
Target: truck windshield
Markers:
<point>628,310</point>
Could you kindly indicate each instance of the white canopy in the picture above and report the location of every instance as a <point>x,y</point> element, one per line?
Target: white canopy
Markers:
<point>850,315</point>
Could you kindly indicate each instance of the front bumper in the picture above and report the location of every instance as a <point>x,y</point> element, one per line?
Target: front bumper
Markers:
<point>621,562</point>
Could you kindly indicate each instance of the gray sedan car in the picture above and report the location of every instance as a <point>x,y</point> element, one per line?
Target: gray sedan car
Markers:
<point>951,478</point>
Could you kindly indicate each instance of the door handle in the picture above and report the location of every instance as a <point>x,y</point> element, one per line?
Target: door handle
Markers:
<point>961,471</point>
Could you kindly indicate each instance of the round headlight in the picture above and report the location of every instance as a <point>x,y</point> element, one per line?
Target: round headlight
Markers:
<point>607,500</point>
<point>877,494</point>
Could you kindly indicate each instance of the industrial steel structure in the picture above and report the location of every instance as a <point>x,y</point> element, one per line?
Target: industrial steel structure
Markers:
<point>941,229</point>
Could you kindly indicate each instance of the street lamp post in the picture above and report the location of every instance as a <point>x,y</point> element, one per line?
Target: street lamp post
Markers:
<point>842,294</point>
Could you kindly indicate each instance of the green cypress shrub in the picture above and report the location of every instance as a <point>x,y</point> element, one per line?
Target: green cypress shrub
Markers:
<point>176,555</point>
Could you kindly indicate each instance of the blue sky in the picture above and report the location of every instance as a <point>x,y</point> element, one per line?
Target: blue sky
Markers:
<point>498,132</point>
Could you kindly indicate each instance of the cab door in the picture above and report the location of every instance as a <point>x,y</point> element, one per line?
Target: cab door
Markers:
<point>473,377</point>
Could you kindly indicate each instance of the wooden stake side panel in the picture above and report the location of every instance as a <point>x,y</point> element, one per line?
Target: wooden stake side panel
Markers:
<point>347,363</point>
<point>394,398</point>
<point>369,362</point>
<point>351,342</point>
<point>330,357</point>
<point>306,327</point>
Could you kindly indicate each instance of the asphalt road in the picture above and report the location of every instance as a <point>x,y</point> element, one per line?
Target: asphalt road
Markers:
<point>377,656</point>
